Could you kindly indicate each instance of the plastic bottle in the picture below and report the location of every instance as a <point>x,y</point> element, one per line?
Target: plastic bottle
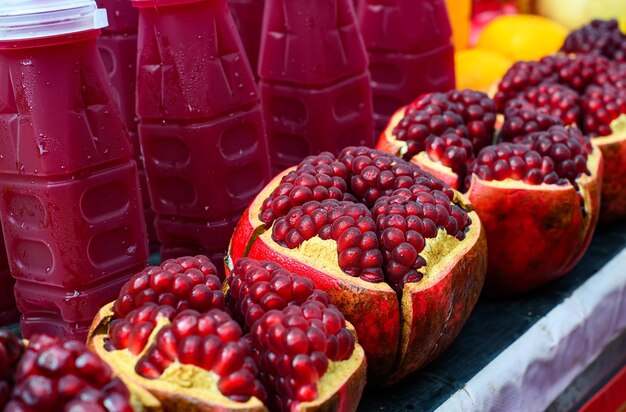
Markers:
<point>248,16</point>
<point>118,47</point>
<point>315,86</point>
<point>70,209</point>
<point>410,51</point>
<point>201,127</point>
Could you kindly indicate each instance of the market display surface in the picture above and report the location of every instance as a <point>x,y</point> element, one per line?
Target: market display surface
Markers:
<point>523,353</point>
<point>418,247</point>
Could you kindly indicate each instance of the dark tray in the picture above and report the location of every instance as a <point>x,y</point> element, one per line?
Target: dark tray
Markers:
<point>493,326</point>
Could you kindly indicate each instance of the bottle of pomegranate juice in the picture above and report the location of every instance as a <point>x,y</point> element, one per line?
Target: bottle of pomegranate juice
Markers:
<point>314,83</point>
<point>70,209</point>
<point>118,47</point>
<point>201,127</point>
<point>248,16</point>
<point>410,52</point>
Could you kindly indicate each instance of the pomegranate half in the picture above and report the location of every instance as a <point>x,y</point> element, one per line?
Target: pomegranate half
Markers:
<point>400,253</point>
<point>170,337</point>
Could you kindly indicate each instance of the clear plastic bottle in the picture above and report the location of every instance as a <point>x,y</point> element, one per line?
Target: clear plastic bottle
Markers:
<point>315,86</point>
<point>71,209</point>
<point>118,47</point>
<point>410,51</point>
<point>201,127</point>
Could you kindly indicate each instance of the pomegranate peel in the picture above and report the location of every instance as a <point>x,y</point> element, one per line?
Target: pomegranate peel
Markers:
<point>379,317</point>
<point>432,308</point>
<point>387,142</point>
<point>613,203</point>
<point>522,250</point>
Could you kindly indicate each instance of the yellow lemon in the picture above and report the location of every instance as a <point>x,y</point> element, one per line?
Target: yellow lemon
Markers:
<point>522,36</point>
<point>479,69</point>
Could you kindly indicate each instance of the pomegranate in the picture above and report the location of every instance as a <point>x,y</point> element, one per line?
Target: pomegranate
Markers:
<point>537,189</point>
<point>11,349</point>
<point>590,88</point>
<point>53,375</point>
<point>280,345</point>
<point>398,251</point>
<point>602,37</point>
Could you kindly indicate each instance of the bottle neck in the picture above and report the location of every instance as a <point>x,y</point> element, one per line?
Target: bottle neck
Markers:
<point>49,40</point>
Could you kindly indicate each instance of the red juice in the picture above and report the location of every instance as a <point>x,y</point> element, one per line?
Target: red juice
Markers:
<point>70,204</point>
<point>201,127</point>
<point>118,47</point>
<point>315,86</point>
<point>410,51</point>
<point>248,17</point>
<point>8,311</point>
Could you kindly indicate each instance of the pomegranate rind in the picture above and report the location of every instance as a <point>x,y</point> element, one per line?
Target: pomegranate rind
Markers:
<point>387,142</point>
<point>592,191</point>
<point>383,324</point>
<point>613,147</point>
<point>341,387</point>
<point>535,233</point>
<point>436,169</point>
<point>180,387</point>
<point>435,309</point>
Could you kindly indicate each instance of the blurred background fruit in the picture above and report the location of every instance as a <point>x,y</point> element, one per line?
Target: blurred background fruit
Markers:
<point>460,13</point>
<point>478,68</point>
<point>523,36</point>
<point>575,13</point>
<point>484,11</point>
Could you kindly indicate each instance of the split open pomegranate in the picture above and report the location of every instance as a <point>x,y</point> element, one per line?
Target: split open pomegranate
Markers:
<point>270,341</point>
<point>537,192</point>
<point>587,89</point>
<point>398,251</point>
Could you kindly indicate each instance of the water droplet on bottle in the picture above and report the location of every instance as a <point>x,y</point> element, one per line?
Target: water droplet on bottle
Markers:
<point>131,250</point>
<point>48,269</point>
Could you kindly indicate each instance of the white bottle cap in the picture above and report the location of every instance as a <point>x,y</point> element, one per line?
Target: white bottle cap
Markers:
<point>30,19</point>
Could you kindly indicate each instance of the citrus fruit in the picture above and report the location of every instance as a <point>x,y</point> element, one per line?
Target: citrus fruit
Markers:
<point>479,68</point>
<point>522,36</point>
